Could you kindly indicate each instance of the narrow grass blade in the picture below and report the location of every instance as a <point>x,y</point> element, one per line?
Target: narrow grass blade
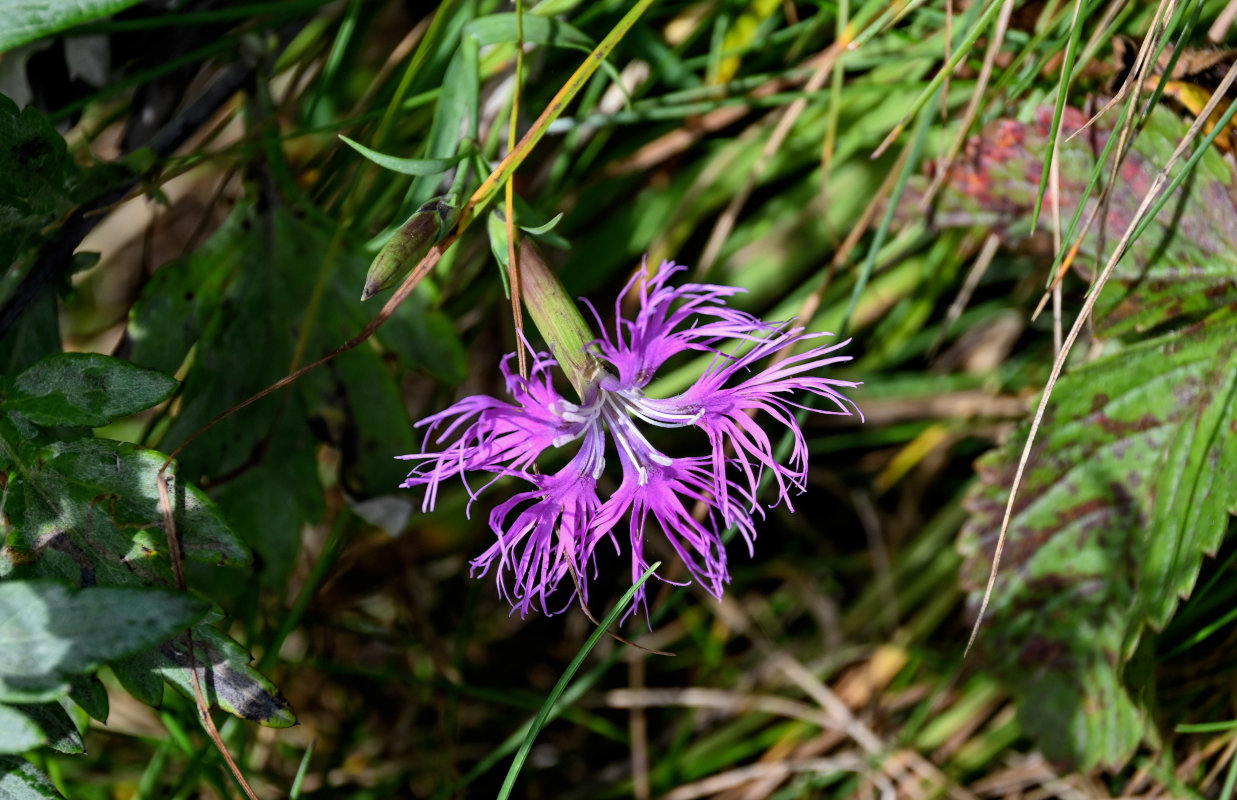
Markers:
<point>538,723</point>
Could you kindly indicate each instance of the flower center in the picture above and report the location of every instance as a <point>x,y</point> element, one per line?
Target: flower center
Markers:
<point>617,409</point>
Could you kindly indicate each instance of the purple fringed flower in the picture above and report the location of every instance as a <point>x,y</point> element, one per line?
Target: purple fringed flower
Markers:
<point>551,529</point>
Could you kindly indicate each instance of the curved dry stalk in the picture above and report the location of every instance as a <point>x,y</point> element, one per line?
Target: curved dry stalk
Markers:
<point>208,722</point>
<point>1142,63</point>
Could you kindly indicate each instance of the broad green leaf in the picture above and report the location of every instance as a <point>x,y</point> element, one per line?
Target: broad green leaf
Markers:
<point>26,20</point>
<point>423,338</point>
<point>456,116</point>
<point>88,511</point>
<point>90,694</point>
<point>37,175</point>
<point>1195,487</point>
<point>84,389</point>
<point>28,689</point>
<point>40,183</point>
<point>36,170</point>
<point>59,732</point>
<point>246,344</point>
<point>35,335</point>
<point>21,780</point>
<point>224,671</point>
<point>407,166</point>
<point>278,497</point>
<point>18,733</point>
<point>358,399</point>
<point>1129,485</point>
<point>48,631</point>
<point>268,451</point>
<point>179,299</point>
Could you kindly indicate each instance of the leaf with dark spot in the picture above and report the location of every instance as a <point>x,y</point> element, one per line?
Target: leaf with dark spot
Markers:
<point>1130,483</point>
<point>227,679</point>
<point>21,780</point>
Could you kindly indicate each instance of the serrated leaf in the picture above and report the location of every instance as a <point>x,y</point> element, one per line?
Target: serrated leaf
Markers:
<point>88,511</point>
<point>36,176</point>
<point>47,631</point>
<point>140,681</point>
<point>84,389</point>
<point>227,679</point>
<point>27,689</point>
<point>26,20</point>
<point>21,780</point>
<point>1181,268</point>
<point>1129,485</point>
<point>1195,489</point>
<point>36,169</point>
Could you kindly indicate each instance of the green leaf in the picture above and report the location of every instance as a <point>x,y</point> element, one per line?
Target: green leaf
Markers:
<point>90,694</point>
<point>424,338</point>
<point>84,389</point>
<point>223,668</point>
<point>27,20</point>
<point>59,732</point>
<point>21,780</point>
<point>179,299</point>
<point>1195,486</point>
<point>35,335</point>
<point>1130,483</point>
<point>459,108</point>
<point>548,708</point>
<point>48,631</point>
<point>246,344</point>
<point>88,511</point>
<point>278,497</point>
<point>543,228</point>
<point>37,176</point>
<point>358,400</point>
<point>268,451</point>
<point>408,166</point>
<point>18,733</point>
<point>502,28</point>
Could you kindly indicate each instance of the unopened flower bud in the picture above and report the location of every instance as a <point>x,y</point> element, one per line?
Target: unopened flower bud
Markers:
<point>425,228</point>
<point>558,319</point>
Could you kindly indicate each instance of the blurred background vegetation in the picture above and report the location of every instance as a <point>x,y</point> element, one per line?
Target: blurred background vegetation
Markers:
<point>178,196</point>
